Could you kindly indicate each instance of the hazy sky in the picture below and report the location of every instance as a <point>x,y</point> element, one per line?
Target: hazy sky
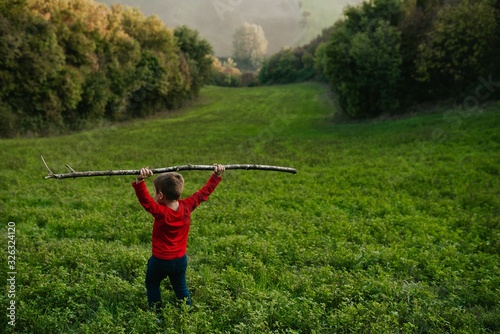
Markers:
<point>285,22</point>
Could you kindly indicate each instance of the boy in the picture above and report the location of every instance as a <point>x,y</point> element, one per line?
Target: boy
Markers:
<point>170,229</point>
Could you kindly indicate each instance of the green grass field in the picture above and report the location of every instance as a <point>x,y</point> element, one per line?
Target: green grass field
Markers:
<point>389,226</point>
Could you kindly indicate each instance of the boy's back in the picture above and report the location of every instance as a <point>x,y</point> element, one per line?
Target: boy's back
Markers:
<point>171,227</point>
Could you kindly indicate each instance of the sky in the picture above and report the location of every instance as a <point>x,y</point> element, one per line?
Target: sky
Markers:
<point>285,22</point>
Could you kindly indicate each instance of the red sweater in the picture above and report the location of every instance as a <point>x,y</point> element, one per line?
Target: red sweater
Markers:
<point>171,228</point>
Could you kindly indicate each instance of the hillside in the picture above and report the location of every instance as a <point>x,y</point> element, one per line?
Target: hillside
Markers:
<point>283,21</point>
<point>388,226</point>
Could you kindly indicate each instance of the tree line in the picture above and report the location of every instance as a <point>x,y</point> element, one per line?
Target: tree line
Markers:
<point>67,64</point>
<point>384,56</point>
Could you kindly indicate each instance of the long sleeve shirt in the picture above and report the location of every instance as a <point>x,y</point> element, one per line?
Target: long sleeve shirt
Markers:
<point>171,228</point>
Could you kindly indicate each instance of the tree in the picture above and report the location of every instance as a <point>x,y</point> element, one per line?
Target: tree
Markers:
<point>363,59</point>
<point>456,48</point>
<point>321,61</point>
<point>493,58</point>
<point>32,64</point>
<point>283,67</point>
<point>418,17</point>
<point>68,64</point>
<point>249,45</point>
<point>13,18</point>
<point>297,64</point>
<point>198,54</point>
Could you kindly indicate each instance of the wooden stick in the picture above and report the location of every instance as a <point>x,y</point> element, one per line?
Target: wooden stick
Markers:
<point>74,174</point>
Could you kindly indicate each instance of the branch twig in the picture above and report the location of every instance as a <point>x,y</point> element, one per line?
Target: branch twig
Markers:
<point>50,172</point>
<point>74,174</point>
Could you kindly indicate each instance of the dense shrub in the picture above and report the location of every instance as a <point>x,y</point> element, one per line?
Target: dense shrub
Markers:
<point>69,64</point>
<point>364,64</point>
<point>455,50</point>
<point>227,74</point>
<point>288,66</point>
<point>197,52</point>
<point>384,56</point>
<point>294,64</point>
<point>493,58</point>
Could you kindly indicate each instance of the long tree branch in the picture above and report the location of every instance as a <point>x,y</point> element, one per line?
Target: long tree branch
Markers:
<point>74,174</point>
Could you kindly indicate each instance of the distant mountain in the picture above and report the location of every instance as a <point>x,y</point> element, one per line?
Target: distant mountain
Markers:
<point>285,22</point>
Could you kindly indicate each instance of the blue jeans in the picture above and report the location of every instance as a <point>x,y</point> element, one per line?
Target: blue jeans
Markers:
<point>159,269</point>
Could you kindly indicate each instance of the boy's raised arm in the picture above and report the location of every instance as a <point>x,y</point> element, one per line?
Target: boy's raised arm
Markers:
<point>202,195</point>
<point>145,199</point>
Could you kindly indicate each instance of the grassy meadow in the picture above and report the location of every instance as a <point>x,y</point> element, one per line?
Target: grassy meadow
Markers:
<point>389,226</point>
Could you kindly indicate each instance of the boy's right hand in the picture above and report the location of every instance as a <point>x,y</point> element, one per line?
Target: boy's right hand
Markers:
<point>144,174</point>
<point>219,169</point>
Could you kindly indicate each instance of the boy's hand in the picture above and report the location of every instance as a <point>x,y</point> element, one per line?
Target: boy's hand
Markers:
<point>144,174</point>
<point>219,169</point>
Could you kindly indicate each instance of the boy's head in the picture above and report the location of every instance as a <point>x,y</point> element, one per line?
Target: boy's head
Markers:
<point>170,185</point>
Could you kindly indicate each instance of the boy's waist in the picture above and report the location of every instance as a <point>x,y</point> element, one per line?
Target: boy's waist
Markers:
<point>168,254</point>
<point>179,260</point>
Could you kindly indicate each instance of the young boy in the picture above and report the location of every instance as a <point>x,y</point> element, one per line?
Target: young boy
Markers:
<point>170,229</point>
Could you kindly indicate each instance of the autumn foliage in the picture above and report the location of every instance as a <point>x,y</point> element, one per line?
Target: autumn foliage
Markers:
<point>68,65</point>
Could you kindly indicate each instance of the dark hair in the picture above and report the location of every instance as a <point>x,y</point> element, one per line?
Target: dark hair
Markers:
<point>170,185</point>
